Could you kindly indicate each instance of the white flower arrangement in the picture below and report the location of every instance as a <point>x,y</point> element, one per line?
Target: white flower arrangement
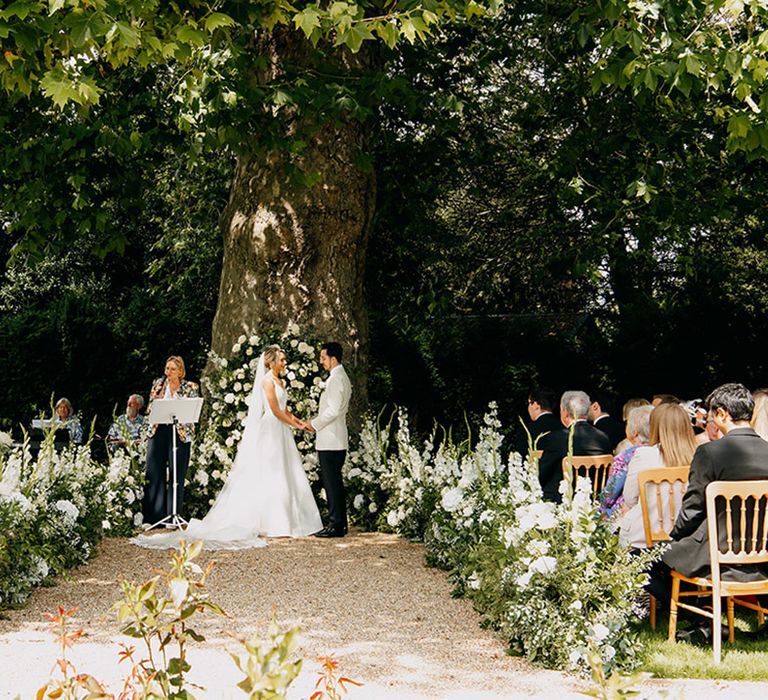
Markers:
<point>227,388</point>
<point>54,504</point>
<point>484,518</point>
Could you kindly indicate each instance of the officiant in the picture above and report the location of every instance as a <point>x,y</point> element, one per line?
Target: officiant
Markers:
<point>158,487</point>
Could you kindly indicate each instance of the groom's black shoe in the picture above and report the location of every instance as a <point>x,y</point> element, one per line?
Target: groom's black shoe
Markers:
<point>332,532</point>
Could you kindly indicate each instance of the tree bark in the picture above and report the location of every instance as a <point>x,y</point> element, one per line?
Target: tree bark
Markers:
<point>296,253</point>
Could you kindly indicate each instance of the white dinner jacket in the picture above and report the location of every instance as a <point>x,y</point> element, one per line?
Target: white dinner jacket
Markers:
<point>331,423</point>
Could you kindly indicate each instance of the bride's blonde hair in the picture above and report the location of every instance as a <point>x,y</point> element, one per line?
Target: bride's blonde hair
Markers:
<point>271,353</point>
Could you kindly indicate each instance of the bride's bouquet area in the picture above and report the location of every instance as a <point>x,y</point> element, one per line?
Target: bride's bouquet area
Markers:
<point>53,510</point>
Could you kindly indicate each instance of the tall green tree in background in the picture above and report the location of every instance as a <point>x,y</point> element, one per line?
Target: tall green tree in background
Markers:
<point>286,88</point>
<point>561,188</point>
<point>564,235</point>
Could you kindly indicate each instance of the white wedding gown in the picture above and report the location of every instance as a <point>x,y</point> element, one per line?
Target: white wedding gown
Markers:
<point>266,494</point>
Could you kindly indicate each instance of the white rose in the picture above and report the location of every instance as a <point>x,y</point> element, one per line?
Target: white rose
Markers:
<point>223,383</point>
<point>138,519</point>
<point>254,340</point>
<point>230,398</point>
<point>392,519</point>
<point>294,343</point>
<point>236,348</point>
<point>372,508</point>
<point>238,387</point>
<point>358,502</point>
<point>105,525</point>
<point>291,375</point>
<point>600,632</point>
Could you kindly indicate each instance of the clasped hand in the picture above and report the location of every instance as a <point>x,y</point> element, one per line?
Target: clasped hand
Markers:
<point>306,425</point>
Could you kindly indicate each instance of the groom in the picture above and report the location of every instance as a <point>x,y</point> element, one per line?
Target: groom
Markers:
<point>331,440</point>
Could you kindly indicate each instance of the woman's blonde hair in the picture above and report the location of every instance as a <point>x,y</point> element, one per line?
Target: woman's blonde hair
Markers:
<point>271,353</point>
<point>671,430</point>
<point>176,359</point>
<point>633,403</point>
<point>759,420</point>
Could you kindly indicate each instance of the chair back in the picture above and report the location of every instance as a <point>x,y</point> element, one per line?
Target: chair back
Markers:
<point>660,487</point>
<point>742,516</point>
<point>595,467</point>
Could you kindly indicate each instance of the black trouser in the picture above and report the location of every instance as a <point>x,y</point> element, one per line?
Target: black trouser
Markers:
<point>331,462</point>
<point>158,487</point>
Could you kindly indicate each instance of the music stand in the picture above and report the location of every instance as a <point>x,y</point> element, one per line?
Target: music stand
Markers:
<point>173,412</point>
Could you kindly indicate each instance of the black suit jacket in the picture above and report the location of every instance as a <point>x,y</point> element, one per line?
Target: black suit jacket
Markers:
<point>614,429</point>
<point>545,423</point>
<point>741,455</point>
<point>587,440</point>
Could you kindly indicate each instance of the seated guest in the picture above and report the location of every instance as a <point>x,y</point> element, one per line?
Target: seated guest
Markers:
<point>127,428</point>
<point>740,455</point>
<point>659,399</point>
<point>704,428</point>
<point>671,445</point>
<point>542,420</point>
<point>759,420</point>
<point>66,417</point>
<point>625,444</point>
<point>600,417</point>
<point>638,434</point>
<point>587,440</point>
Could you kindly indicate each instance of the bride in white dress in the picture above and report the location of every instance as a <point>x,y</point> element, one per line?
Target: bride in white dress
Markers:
<point>267,492</point>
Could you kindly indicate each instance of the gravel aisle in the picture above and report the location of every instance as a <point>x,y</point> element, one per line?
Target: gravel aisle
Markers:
<point>367,598</point>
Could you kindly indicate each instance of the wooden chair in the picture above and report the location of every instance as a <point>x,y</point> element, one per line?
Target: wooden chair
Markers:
<point>594,467</point>
<point>744,522</point>
<point>658,486</point>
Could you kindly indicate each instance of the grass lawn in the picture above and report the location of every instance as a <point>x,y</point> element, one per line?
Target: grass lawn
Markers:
<point>741,661</point>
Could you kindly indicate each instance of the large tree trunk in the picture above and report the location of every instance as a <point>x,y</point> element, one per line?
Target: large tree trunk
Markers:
<point>296,253</point>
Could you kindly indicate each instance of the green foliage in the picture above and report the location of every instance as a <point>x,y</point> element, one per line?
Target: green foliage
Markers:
<point>163,619</point>
<point>51,514</point>
<point>267,664</point>
<point>713,51</point>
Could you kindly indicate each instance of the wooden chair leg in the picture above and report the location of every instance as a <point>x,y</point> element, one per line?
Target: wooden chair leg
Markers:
<point>652,605</point>
<point>673,609</point>
<point>717,621</point>
<point>729,609</point>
